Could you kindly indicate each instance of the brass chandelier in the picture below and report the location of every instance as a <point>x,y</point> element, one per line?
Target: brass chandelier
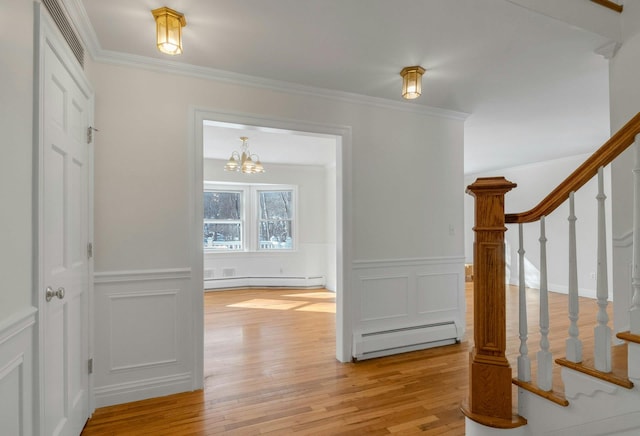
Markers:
<point>244,161</point>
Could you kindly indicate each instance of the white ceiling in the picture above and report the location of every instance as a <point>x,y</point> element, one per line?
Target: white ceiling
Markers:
<point>533,86</point>
<point>270,145</point>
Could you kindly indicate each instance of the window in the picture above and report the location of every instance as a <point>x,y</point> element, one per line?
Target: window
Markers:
<point>275,225</point>
<point>223,220</point>
<point>244,217</point>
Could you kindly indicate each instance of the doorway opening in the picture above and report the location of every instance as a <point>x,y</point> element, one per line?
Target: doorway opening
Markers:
<point>307,158</point>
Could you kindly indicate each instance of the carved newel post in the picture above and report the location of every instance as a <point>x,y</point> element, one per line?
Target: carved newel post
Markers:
<point>489,401</point>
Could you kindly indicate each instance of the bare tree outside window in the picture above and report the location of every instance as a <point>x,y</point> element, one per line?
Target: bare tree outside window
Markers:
<point>248,217</point>
<point>275,230</point>
<point>222,220</point>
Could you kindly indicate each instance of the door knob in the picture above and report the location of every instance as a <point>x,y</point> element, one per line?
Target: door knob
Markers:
<point>50,293</point>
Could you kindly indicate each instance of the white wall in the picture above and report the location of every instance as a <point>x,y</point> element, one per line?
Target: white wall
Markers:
<point>410,160</point>
<point>16,114</point>
<point>534,182</point>
<point>403,199</point>
<point>18,331</point>
<point>624,70</point>
<point>316,196</point>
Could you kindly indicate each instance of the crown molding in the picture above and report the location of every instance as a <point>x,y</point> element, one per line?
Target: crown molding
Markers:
<point>78,16</point>
<point>81,21</point>
<point>609,50</point>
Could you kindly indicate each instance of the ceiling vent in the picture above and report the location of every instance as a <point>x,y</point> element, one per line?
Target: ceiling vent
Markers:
<point>64,25</point>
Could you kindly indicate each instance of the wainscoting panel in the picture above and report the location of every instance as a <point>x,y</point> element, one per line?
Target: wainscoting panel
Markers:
<point>437,293</point>
<point>385,298</point>
<point>154,316</point>
<point>407,304</point>
<point>17,347</point>
<point>144,341</point>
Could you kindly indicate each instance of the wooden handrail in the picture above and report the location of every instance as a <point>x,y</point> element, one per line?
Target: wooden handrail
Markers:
<point>609,4</point>
<point>602,157</point>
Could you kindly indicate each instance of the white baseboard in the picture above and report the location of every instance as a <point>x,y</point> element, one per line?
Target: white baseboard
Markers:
<point>142,389</point>
<point>264,282</point>
<point>583,292</point>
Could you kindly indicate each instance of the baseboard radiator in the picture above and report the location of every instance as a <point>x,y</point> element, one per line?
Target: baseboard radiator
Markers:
<point>384,343</point>
<point>264,282</point>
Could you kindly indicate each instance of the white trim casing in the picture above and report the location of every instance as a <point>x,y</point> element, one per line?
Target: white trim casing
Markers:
<point>343,212</point>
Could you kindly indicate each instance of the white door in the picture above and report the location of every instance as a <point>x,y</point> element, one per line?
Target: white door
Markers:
<point>64,227</point>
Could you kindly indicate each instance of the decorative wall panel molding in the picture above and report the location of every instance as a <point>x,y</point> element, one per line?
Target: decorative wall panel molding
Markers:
<point>144,334</point>
<point>153,315</point>
<point>142,275</point>
<point>17,348</point>
<point>385,297</point>
<point>407,304</point>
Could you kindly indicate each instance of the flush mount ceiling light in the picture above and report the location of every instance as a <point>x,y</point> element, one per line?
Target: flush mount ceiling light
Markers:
<point>244,161</point>
<point>169,24</point>
<point>412,82</point>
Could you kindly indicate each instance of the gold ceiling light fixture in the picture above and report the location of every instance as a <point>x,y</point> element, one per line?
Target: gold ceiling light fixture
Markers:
<point>244,161</point>
<point>169,24</point>
<point>412,82</point>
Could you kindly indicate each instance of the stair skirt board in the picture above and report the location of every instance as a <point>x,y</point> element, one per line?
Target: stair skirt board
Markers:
<point>401,340</point>
<point>265,282</point>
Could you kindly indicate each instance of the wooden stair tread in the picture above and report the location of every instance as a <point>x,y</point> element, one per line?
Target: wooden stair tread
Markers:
<point>552,395</point>
<point>619,367</point>
<point>619,374</point>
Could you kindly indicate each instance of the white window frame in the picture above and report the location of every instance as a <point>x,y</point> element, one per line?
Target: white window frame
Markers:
<point>294,218</point>
<point>250,219</point>
<point>242,221</point>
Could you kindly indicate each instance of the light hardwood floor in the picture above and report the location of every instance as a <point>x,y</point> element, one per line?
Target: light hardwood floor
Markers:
<point>270,368</point>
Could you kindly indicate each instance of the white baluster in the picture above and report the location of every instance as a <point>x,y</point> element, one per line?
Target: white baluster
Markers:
<point>573,343</point>
<point>545,362</point>
<point>634,313</point>
<point>524,363</point>
<point>602,332</point>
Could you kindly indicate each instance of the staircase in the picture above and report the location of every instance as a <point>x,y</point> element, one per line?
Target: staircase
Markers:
<point>599,390</point>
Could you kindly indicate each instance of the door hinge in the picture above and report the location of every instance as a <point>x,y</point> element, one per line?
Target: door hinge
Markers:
<point>90,131</point>
<point>90,366</point>
<point>89,250</point>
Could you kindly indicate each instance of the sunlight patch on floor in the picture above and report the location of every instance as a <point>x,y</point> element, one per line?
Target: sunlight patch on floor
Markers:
<point>323,295</point>
<point>303,306</point>
<point>258,303</point>
<point>319,307</point>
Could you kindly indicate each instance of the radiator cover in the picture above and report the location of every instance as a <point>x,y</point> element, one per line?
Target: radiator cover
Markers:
<point>367,345</point>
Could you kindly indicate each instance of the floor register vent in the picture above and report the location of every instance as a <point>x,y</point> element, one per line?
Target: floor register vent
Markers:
<point>393,341</point>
